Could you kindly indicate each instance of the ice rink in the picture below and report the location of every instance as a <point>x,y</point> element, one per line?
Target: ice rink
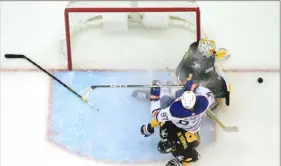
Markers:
<point>43,124</point>
<point>25,107</point>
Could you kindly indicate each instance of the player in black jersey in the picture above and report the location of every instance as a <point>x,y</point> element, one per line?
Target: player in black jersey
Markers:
<point>179,142</point>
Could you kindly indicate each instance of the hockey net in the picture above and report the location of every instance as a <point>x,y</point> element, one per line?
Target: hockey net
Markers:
<point>128,34</point>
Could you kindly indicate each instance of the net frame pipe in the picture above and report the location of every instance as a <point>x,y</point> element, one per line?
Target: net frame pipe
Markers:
<point>120,10</point>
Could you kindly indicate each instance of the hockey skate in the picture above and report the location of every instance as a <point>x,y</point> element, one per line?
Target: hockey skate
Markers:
<point>141,94</point>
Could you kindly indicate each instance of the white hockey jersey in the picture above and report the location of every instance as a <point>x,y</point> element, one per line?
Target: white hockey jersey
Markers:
<point>189,120</point>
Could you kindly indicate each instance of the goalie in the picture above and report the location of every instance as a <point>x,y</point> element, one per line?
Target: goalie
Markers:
<point>205,64</point>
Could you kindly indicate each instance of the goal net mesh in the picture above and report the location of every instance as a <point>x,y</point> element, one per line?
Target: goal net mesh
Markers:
<point>128,35</point>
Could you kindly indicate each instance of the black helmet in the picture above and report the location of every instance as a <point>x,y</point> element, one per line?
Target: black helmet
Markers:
<point>166,146</point>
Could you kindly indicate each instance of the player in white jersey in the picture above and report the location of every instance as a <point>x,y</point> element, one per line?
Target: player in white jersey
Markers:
<point>179,122</point>
<point>186,110</point>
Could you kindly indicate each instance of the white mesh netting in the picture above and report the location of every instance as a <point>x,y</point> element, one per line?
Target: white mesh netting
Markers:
<point>129,40</point>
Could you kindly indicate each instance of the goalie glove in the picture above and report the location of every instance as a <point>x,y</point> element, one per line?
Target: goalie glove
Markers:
<point>147,130</point>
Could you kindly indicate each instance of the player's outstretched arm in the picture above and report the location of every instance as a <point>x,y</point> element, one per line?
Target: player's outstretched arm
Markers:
<point>158,114</point>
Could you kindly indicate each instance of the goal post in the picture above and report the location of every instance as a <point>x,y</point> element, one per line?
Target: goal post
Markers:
<point>119,20</point>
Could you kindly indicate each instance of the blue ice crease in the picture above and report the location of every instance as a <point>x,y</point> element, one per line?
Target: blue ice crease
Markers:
<point>113,132</point>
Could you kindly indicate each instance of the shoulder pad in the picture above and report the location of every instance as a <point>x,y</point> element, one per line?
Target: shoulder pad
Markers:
<point>178,111</point>
<point>201,104</point>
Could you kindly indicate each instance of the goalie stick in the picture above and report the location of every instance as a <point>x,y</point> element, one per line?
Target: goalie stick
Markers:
<point>209,113</point>
<point>20,56</point>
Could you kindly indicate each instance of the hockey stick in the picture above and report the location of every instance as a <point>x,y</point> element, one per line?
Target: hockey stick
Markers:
<point>90,89</point>
<point>209,113</point>
<point>225,128</point>
<point>19,56</point>
<point>133,86</point>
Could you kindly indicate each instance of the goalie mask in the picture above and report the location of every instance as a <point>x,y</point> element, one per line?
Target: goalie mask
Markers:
<point>207,47</point>
<point>188,99</point>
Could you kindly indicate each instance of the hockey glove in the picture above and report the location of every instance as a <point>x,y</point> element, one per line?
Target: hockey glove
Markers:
<point>147,130</point>
<point>155,91</point>
<point>190,86</point>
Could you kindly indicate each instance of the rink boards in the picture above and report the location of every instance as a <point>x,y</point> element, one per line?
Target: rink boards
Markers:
<point>111,131</point>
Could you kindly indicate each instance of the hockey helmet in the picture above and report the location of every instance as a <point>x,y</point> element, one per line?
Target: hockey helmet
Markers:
<point>206,47</point>
<point>188,99</point>
<point>165,146</point>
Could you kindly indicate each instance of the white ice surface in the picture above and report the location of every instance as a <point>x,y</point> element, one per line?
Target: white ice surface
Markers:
<point>34,28</point>
<point>254,108</point>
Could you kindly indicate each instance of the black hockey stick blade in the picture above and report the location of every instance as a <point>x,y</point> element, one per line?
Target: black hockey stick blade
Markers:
<point>14,56</point>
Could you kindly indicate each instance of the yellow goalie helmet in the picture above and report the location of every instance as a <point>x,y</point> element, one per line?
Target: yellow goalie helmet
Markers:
<point>206,47</point>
